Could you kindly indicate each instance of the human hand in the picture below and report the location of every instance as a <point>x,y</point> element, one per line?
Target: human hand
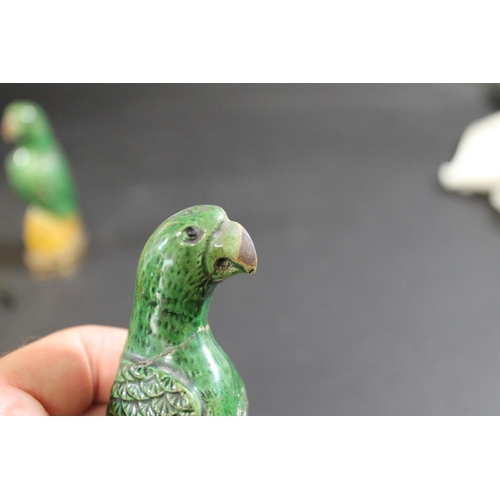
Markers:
<point>69,372</point>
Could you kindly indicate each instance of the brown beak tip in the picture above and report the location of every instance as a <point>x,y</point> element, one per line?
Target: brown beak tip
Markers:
<point>247,254</point>
<point>5,130</point>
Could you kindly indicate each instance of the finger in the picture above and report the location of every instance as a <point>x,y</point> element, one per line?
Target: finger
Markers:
<point>65,372</point>
<point>14,401</point>
<point>96,410</point>
<point>104,346</point>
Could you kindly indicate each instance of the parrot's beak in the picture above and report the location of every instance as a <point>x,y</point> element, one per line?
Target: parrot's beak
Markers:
<point>247,256</point>
<point>232,251</point>
<point>8,134</point>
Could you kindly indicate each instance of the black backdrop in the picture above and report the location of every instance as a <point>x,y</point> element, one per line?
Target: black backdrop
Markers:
<point>376,293</point>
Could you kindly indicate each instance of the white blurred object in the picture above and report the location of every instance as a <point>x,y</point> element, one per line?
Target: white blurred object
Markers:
<point>475,167</point>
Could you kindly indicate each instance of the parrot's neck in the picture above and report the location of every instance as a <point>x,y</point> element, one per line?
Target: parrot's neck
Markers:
<point>167,321</point>
<point>42,141</point>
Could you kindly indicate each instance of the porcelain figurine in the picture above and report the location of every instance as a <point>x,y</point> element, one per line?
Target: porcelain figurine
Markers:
<point>475,167</point>
<point>171,364</point>
<point>54,235</point>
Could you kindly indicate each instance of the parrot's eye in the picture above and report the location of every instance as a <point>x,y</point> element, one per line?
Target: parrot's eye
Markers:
<point>222,264</point>
<point>191,233</point>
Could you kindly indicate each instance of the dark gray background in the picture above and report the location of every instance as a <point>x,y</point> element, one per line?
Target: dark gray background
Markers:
<point>376,294</point>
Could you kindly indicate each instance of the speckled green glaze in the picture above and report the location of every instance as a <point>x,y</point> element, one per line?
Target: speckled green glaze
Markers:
<point>171,364</point>
<point>37,168</point>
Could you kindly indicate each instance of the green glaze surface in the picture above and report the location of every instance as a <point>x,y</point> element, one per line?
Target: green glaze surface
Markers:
<point>171,364</point>
<point>37,169</point>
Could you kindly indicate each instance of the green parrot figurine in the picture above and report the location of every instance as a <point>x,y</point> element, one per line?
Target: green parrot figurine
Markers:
<point>54,236</point>
<point>171,364</point>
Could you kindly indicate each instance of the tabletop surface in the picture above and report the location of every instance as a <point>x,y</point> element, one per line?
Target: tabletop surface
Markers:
<point>377,293</point>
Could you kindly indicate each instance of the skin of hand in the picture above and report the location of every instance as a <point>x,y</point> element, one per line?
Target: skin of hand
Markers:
<point>69,372</point>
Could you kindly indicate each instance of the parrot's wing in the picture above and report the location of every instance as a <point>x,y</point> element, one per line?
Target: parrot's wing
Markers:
<point>54,189</point>
<point>46,180</point>
<point>149,391</point>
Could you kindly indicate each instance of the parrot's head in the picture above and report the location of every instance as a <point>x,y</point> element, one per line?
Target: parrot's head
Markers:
<point>178,270</point>
<point>24,120</point>
<point>186,256</point>
<point>201,243</point>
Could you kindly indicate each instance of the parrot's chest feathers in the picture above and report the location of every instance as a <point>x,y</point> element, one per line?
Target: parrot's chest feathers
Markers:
<point>29,173</point>
<point>193,378</point>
